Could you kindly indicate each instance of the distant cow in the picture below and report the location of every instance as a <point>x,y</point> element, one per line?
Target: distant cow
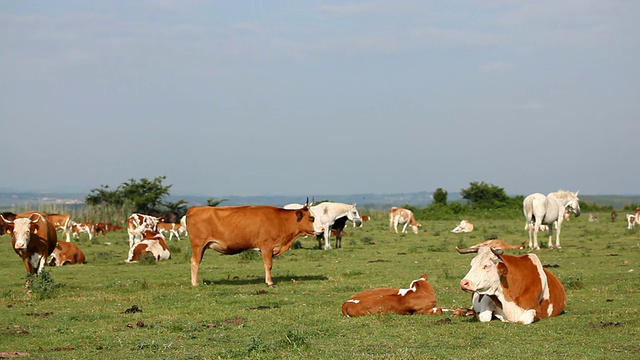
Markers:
<point>232,229</point>
<point>137,224</point>
<point>66,253</point>
<point>512,288</point>
<point>593,217</point>
<point>164,216</point>
<point>153,243</point>
<point>419,298</point>
<point>62,222</point>
<point>113,227</point>
<point>337,229</point>
<point>498,244</point>
<point>402,216</point>
<point>465,226</point>
<point>100,227</point>
<point>33,238</point>
<point>171,228</point>
<point>614,216</point>
<point>85,227</point>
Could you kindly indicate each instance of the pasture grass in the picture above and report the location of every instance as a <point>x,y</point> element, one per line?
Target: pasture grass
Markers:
<point>107,309</point>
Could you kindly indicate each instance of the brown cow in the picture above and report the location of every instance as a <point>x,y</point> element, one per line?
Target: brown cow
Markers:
<point>100,227</point>
<point>614,216</point>
<point>33,238</point>
<point>419,298</point>
<point>233,229</point>
<point>66,253</point>
<point>512,288</point>
<point>62,222</point>
<point>402,216</point>
<point>153,243</point>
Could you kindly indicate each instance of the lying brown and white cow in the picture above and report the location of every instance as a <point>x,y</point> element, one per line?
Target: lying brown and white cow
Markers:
<point>153,243</point>
<point>512,288</point>
<point>233,229</point>
<point>498,244</point>
<point>66,253</point>
<point>465,226</point>
<point>419,298</point>
<point>33,238</point>
<point>61,222</point>
<point>402,216</point>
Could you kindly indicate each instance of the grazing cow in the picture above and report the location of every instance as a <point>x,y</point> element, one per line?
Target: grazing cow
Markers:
<point>402,216</point>
<point>153,243</point>
<point>497,244</point>
<point>232,229</point>
<point>419,298</point>
<point>614,216</point>
<point>512,288</point>
<point>593,217</point>
<point>137,224</point>
<point>171,228</point>
<point>85,227</point>
<point>464,227</point>
<point>337,229</point>
<point>33,238</point>
<point>100,227</point>
<point>8,216</point>
<point>62,222</point>
<point>327,213</point>
<point>66,253</point>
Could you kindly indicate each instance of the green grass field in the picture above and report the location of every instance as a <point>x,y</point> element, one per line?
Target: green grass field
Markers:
<point>235,315</point>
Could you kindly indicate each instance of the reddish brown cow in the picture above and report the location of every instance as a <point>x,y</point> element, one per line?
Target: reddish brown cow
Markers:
<point>100,227</point>
<point>512,288</point>
<point>33,238</point>
<point>614,216</point>
<point>153,243</point>
<point>233,229</point>
<point>66,253</point>
<point>113,227</point>
<point>419,298</point>
<point>62,222</point>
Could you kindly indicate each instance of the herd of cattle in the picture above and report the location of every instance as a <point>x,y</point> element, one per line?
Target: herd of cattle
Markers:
<point>510,288</point>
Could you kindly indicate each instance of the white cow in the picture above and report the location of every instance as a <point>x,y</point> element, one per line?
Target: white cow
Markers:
<point>402,216</point>
<point>325,215</point>
<point>464,227</point>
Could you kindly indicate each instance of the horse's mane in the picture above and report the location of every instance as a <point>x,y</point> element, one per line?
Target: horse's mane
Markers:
<point>563,194</point>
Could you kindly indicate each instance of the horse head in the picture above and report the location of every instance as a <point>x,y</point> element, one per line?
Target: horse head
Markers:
<point>573,204</point>
<point>354,216</point>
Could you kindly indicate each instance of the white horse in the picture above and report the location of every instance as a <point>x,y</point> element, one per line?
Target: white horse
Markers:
<point>325,215</point>
<point>539,209</point>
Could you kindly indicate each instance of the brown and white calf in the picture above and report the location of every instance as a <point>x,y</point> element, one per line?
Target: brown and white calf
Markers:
<point>419,298</point>
<point>171,228</point>
<point>465,226</point>
<point>402,216</point>
<point>66,253</point>
<point>512,288</point>
<point>153,243</point>
<point>33,238</point>
<point>85,227</point>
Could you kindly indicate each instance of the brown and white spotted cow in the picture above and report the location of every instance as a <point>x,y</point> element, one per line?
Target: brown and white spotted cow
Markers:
<point>233,229</point>
<point>137,224</point>
<point>465,226</point>
<point>153,243</point>
<point>33,238</point>
<point>61,222</point>
<point>512,288</point>
<point>85,227</point>
<point>419,298</point>
<point>66,253</point>
<point>402,216</point>
<point>171,228</point>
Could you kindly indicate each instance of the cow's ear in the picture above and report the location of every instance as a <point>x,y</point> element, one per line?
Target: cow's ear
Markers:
<point>299,215</point>
<point>34,228</point>
<point>502,269</point>
<point>8,229</point>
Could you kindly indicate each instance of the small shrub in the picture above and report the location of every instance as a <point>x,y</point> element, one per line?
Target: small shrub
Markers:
<point>296,245</point>
<point>572,283</point>
<point>367,240</point>
<point>294,339</point>
<point>249,255</point>
<point>147,259</point>
<point>42,285</point>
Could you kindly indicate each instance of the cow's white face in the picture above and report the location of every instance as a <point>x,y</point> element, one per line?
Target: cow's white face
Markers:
<point>483,277</point>
<point>21,230</point>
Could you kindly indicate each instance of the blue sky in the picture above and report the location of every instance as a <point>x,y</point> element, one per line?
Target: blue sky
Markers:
<point>321,97</point>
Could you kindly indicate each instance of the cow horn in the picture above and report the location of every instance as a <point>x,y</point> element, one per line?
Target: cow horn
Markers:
<point>36,219</point>
<point>467,250</point>
<point>5,220</point>
<point>497,252</point>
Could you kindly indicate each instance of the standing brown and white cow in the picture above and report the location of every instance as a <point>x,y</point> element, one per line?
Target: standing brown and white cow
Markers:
<point>512,288</point>
<point>419,298</point>
<point>61,222</point>
<point>402,216</point>
<point>85,227</point>
<point>66,253</point>
<point>33,238</point>
<point>232,229</point>
<point>137,224</point>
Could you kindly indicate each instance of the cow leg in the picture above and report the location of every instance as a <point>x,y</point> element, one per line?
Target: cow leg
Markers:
<point>267,259</point>
<point>196,259</point>
<point>404,228</point>
<point>320,238</point>
<point>338,239</point>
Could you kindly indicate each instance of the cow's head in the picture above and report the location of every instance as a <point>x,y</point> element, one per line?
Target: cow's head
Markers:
<point>486,269</point>
<point>21,230</point>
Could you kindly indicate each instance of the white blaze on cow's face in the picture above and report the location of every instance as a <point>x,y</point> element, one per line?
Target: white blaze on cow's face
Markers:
<point>22,228</point>
<point>483,277</point>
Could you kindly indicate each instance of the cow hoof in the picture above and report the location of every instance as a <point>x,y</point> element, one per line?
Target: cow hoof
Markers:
<point>272,286</point>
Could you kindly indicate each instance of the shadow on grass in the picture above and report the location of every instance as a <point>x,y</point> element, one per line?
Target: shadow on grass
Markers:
<point>260,280</point>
